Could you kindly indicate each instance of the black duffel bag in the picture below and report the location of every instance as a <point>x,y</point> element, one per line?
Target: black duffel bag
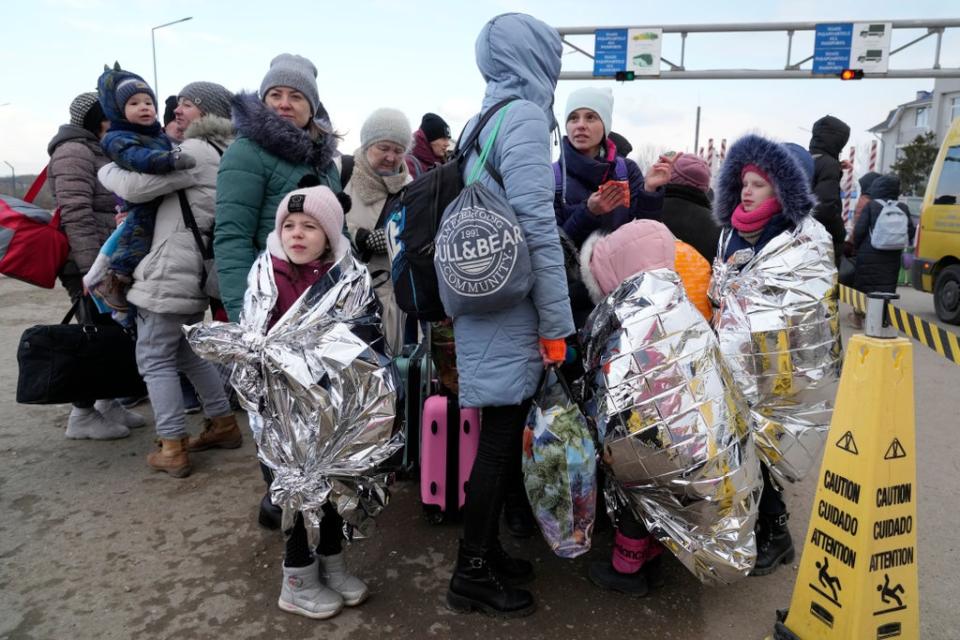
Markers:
<point>61,363</point>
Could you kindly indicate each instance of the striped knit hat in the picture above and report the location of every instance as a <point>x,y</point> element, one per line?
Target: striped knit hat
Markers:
<point>80,107</point>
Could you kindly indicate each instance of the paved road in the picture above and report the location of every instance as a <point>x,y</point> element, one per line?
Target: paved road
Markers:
<point>95,545</point>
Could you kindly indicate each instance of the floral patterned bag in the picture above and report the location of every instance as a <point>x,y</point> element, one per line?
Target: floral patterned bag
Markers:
<point>560,468</point>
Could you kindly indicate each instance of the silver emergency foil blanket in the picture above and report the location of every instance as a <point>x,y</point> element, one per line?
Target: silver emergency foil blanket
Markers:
<point>320,392</point>
<point>779,331</point>
<point>673,426</point>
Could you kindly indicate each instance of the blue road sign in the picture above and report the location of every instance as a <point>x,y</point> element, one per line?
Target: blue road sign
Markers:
<point>831,47</point>
<point>609,51</point>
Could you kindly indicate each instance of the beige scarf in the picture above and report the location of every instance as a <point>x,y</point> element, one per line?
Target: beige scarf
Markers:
<point>370,186</point>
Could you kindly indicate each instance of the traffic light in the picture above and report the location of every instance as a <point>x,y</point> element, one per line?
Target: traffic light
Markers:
<point>851,74</point>
<point>623,76</point>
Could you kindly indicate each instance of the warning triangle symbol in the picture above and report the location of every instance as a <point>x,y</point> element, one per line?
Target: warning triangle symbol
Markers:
<point>895,450</point>
<point>848,444</point>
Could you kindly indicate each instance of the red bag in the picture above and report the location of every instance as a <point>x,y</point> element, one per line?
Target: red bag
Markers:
<point>32,246</point>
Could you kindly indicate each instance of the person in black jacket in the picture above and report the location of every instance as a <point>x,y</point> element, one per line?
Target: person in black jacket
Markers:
<point>686,208</point>
<point>877,269</point>
<point>830,134</point>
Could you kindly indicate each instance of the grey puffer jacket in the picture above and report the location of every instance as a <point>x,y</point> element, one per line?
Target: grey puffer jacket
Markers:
<point>167,280</point>
<point>86,206</point>
<point>498,359</point>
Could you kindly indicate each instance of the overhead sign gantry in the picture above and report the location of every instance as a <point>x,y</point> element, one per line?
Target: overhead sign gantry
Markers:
<point>862,48</point>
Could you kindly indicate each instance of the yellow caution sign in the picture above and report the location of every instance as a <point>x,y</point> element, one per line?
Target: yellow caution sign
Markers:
<point>858,572</point>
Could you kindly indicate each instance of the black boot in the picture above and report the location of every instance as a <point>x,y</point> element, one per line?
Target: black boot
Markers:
<point>517,514</point>
<point>270,514</point>
<point>514,571</point>
<point>475,586</point>
<point>774,544</point>
<point>605,576</point>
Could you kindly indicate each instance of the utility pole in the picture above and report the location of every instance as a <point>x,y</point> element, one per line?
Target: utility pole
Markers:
<point>13,179</point>
<point>696,133</point>
<point>153,47</point>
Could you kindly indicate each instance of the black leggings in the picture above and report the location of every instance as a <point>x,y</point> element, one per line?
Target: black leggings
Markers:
<point>497,467</point>
<point>297,552</point>
<point>771,499</point>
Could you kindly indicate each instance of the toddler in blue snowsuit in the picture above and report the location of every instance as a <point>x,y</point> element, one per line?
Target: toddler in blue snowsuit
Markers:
<point>136,142</point>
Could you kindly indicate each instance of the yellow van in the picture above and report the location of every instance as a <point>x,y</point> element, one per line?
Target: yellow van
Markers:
<point>936,267</point>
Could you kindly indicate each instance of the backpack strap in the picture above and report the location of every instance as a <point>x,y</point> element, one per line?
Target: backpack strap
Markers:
<point>620,169</point>
<point>205,252</point>
<point>484,162</point>
<point>557,176</point>
<point>36,186</point>
<point>346,170</point>
<point>472,144</point>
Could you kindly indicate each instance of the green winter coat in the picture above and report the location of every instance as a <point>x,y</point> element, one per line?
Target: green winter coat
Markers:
<point>268,160</point>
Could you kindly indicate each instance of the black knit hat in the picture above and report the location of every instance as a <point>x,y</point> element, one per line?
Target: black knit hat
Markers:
<point>94,118</point>
<point>170,104</point>
<point>434,127</point>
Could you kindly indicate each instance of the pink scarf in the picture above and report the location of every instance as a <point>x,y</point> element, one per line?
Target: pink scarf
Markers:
<point>756,219</point>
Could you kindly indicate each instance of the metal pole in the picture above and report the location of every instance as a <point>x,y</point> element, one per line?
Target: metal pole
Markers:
<point>13,179</point>
<point>789,47</point>
<point>936,56</point>
<point>153,46</point>
<point>696,132</point>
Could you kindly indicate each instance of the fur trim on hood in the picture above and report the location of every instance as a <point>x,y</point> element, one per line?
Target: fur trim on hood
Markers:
<point>790,184</point>
<point>589,281</point>
<point>254,120</point>
<point>213,129</point>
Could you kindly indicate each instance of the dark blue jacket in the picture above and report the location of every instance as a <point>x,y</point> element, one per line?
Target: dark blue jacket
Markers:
<point>584,175</point>
<point>140,152</point>
<point>134,147</point>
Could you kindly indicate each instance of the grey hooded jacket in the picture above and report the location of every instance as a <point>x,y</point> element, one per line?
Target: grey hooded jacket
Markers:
<point>497,353</point>
<point>86,206</point>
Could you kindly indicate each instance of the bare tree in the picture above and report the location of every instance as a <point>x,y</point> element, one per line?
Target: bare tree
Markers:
<point>646,154</point>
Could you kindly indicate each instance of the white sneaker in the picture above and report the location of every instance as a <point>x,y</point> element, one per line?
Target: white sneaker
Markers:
<point>303,594</point>
<point>333,572</point>
<point>90,424</point>
<point>113,411</point>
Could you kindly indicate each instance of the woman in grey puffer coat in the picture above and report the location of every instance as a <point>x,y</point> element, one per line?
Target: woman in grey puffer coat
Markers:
<point>87,215</point>
<point>501,354</point>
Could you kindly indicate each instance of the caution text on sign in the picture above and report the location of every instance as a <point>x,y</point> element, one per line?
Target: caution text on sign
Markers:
<point>858,571</point>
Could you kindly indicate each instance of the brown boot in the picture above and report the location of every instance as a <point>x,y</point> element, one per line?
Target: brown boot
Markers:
<point>113,290</point>
<point>218,433</point>
<point>171,457</point>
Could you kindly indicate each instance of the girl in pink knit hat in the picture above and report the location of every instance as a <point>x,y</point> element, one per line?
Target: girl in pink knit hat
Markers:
<point>606,262</point>
<point>304,246</point>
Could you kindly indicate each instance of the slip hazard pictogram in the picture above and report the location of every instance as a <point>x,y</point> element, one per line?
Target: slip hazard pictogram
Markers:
<point>895,450</point>
<point>848,444</point>
<point>857,577</point>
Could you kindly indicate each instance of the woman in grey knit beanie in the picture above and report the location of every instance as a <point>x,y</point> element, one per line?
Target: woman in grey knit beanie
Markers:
<point>380,171</point>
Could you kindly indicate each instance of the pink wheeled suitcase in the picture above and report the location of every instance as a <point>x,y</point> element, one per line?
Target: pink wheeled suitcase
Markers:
<point>448,446</point>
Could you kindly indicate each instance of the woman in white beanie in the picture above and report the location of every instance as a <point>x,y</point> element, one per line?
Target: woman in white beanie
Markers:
<point>584,203</point>
<point>379,172</point>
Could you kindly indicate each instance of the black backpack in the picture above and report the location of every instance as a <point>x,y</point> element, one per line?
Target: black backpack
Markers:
<point>411,217</point>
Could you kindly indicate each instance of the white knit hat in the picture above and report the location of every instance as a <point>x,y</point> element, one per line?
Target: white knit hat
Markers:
<point>600,101</point>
